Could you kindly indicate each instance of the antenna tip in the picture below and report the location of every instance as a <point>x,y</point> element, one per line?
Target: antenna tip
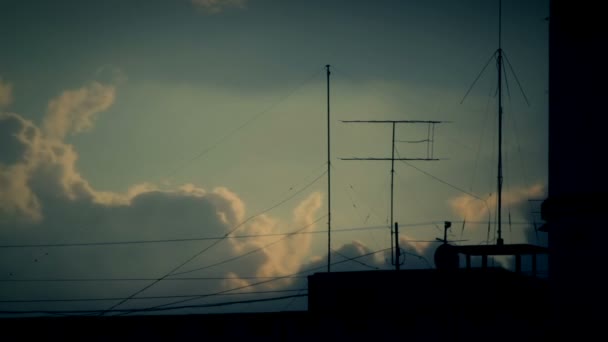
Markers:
<point>327,65</point>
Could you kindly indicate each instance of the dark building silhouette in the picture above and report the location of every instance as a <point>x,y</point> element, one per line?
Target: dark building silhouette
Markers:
<point>577,191</point>
<point>456,303</point>
<point>476,304</point>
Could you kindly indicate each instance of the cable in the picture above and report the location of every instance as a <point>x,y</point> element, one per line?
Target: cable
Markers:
<point>516,79</point>
<point>257,283</point>
<point>127,279</point>
<point>371,210</point>
<point>251,251</point>
<point>354,260</point>
<point>215,243</point>
<point>55,312</point>
<point>481,136</point>
<point>243,125</point>
<point>478,76</point>
<point>92,244</point>
<point>140,298</point>
<point>290,303</point>
<point>438,179</point>
<point>413,141</point>
<point>417,256</point>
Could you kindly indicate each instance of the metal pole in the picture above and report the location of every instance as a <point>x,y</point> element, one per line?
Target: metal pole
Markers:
<point>398,250</point>
<point>392,183</point>
<point>499,241</point>
<point>328,179</point>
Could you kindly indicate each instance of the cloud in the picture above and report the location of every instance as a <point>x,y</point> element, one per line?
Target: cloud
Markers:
<point>217,6</point>
<point>74,111</point>
<point>476,210</point>
<point>44,198</point>
<point>16,196</point>
<point>6,93</point>
<point>279,255</point>
<point>415,255</point>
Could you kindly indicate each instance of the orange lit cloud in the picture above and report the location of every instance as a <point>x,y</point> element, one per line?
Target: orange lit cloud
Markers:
<point>41,186</point>
<point>474,209</point>
<point>74,111</point>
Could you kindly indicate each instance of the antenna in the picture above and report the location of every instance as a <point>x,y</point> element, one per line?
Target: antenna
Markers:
<point>499,54</point>
<point>499,240</point>
<point>430,150</point>
<point>328,179</point>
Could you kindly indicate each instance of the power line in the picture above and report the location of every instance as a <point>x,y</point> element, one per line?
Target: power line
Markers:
<point>67,280</point>
<point>251,251</point>
<point>354,260</point>
<point>141,298</point>
<point>215,243</point>
<point>132,242</point>
<point>55,312</point>
<point>341,230</point>
<point>257,283</point>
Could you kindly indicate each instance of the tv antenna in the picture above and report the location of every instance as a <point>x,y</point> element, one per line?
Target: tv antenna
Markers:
<point>499,55</point>
<point>429,157</point>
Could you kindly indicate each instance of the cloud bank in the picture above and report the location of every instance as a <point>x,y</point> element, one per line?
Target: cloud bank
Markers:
<point>44,198</point>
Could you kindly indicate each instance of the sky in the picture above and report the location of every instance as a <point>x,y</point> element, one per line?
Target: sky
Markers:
<point>136,121</point>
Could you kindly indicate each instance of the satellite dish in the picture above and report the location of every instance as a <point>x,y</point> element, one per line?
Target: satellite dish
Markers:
<point>446,257</point>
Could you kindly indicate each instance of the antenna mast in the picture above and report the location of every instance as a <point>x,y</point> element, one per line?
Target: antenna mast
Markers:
<point>430,142</point>
<point>499,241</point>
<point>328,179</point>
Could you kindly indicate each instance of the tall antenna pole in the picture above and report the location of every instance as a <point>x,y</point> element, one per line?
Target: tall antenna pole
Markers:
<point>392,182</point>
<point>499,241</point>
<point>328,179</point>
<point>397,248</point>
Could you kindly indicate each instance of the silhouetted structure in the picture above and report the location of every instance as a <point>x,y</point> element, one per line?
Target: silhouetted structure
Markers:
<point>577,188</point>
<point>461,304</point>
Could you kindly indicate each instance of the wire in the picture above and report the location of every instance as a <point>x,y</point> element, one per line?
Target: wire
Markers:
<point>55,312</point>
<point>354,260</point>
<point>257,283</point>
<point>504,71</point>
<point>252,251</point>
<point>215,243</point>
<point>413,141</point>
<point>128,279</point>
<point>106,243</point>
<point>142,298</point>
<point>478,76</point>
<point>290,303</point>
<point>417,256</point>
<point>481,136</point>
<point>516,79</point>
<point>371,210</point>
<point>439,179</point>
<point>243,125</point>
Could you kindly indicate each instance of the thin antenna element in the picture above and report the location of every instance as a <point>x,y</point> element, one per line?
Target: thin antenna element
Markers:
<point>430,141</point>
<point>499,53</point>
<point>499,240</point>
<point>328,179</point>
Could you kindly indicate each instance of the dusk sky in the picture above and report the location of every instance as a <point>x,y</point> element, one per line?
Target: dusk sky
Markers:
<point>181,119</point>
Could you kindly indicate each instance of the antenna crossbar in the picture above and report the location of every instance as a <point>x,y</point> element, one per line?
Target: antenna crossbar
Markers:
<point>430,141</point>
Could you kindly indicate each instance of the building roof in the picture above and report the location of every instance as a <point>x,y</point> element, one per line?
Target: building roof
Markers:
<point>514,249</point>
